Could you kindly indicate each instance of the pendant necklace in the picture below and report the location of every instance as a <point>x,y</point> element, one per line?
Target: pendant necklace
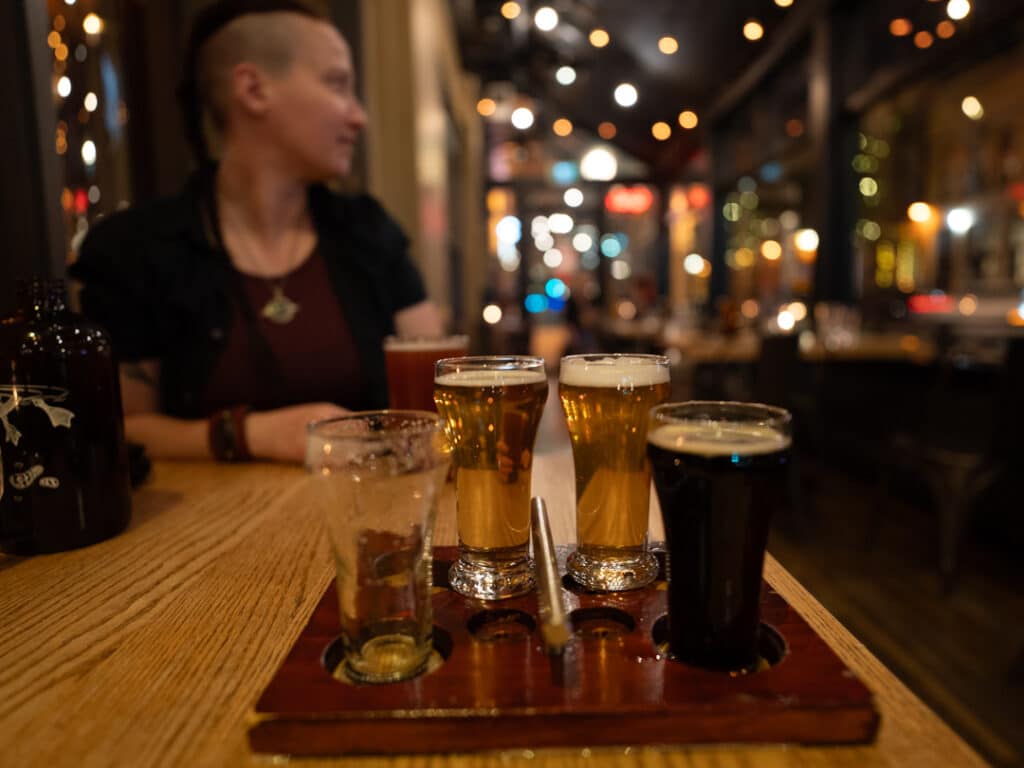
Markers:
<point>279,309</point>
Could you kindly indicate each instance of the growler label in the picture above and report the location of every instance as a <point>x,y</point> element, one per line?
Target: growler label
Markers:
<point>15,396</point>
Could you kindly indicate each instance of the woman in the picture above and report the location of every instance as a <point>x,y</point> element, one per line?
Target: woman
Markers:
<point>257,300</point>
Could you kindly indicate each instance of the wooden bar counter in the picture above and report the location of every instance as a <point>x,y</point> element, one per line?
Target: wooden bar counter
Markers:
<point>151,648</point>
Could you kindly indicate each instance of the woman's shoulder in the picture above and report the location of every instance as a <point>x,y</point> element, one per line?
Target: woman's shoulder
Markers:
<point>360,216</point>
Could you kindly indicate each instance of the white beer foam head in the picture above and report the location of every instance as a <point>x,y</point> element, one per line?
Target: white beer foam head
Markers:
<point>630,371</point>
<point>489,377</point>
<point>715,438</point>
<point>446,343</point>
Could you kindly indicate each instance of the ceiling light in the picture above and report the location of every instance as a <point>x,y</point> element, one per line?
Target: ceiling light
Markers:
<point>561,223</point>
<point>510,10</point>
<point>485,107</point>
<point>562,127</point>
<point>783,3</point>
<point>919,212</point>
<point>900,27</point>
<point>972,108</point>
<point>598,164</point>
<point>693,264</point>
<point>688,119</point>
<point>565,75</point>
<point>958,9</point>
<point>668,45</point>
<point>806,239</point>
<point>582,242</point>
<point>522,118</point>
<point>93,24</point>
<point>599,38</point>
<point>959,220</point>
<point>546,18</point>
<point>753,30</point>
<point>661,131</point>
<point>625,95</point>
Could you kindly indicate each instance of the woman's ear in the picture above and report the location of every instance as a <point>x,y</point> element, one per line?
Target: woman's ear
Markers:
<point>250,87</point>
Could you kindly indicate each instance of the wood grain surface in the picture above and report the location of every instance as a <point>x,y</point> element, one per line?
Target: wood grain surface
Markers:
<point>151,648</point>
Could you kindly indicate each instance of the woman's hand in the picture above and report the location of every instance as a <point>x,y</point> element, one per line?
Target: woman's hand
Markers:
<point>280,435</point>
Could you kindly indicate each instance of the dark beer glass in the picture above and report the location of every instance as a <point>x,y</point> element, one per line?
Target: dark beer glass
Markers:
<point>720,472</point>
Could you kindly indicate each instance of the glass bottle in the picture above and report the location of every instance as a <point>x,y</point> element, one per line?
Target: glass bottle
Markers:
<point>62,453</point>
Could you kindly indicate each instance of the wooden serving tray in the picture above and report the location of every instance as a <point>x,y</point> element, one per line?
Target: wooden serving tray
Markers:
<point>498,689</point>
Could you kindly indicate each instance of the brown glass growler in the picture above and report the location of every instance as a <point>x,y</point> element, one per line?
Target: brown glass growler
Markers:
<point>63,461</point>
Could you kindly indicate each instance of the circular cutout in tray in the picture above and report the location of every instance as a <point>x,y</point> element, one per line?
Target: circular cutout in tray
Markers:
<point>333,658</point>
<point>601,623</point>
<point>501,624</point>
<point>771,647</point>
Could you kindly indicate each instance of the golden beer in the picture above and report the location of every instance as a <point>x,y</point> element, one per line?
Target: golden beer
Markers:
<point>491,408</point>
<point>606,399</point>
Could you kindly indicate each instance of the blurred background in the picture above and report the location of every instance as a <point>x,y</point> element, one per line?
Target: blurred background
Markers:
<point>813,203</point>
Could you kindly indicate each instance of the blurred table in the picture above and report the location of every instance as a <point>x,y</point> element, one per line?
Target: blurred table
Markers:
<point>151,648</point>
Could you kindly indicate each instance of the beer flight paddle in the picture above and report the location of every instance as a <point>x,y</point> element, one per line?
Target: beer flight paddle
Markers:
<point>498,686</point>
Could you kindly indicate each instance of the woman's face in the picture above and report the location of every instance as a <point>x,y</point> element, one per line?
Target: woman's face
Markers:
<point>315,115</point>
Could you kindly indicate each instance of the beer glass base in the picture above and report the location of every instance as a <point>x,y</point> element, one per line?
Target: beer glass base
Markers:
<point>491,581</point>
<point>614,573</point>
<point>388,659</point>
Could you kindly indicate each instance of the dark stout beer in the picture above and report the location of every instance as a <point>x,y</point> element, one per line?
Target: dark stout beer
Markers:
<point>719,482</point>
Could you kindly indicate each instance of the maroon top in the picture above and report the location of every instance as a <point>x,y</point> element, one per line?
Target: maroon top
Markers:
<point>315,353</point>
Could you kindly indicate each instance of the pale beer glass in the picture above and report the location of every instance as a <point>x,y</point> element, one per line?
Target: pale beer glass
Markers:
<point>378,476</point>
<point>491,408</point>
<point>606,399</point>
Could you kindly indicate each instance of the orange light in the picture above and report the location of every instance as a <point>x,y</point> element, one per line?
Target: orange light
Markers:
<point>698,195</point>
<point>511,10</point>
<point>599,38</point>
<point>53,39</point>
<point>794,128</point>
<point>628,200</point>
<point>661,131</point>
<point>752,30</point>
<point>945,29</point>
<point>486,107</point>
<point>688,119</point>
<point>606,131</point>
<point>59,22</point>
<point>562,127</point>
<point>60,52</point>
<point>900,27</point>
<point>923,39</point>
<point>668,45</point>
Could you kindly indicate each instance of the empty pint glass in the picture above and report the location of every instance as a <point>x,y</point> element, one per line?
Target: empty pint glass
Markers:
<point>606,399</point>
<point>491,407</point>
<point>378,476</point>
<point>720,470</point>
<point>410,368</point>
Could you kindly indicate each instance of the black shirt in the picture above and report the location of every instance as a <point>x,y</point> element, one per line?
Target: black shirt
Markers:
<point>156,278</point>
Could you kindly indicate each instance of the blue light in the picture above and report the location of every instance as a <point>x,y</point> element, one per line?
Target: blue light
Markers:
<point>554,288</point>
<point>565,172</point>
<point>556,305</point>
<point>536,303</point>
<point>610,246</point>
<point>623,239</point>
<point>771,172</point>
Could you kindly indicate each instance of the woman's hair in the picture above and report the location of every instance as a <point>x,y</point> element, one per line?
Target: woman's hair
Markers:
<point>200,91</point>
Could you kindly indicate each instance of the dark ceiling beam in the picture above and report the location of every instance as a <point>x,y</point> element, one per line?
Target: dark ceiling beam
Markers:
<point>793,29</point>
